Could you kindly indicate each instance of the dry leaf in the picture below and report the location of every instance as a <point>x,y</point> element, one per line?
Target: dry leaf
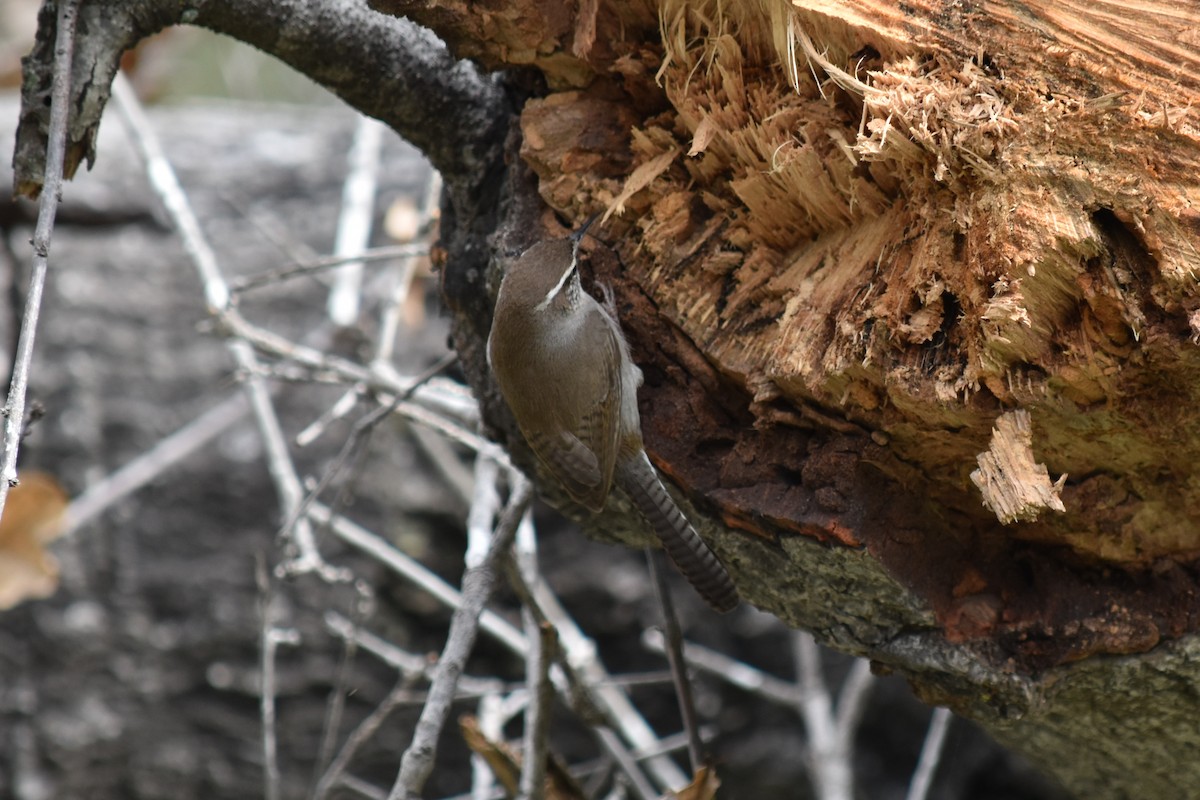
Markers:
<point>640,179</point>
<point>498,757</point>
<point>33,516</point>
<point>506,767</point>
<point>703,135</point>
<point>703,787</point>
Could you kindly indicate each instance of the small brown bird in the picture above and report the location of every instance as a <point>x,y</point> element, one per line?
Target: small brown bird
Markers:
<point>564,367</point>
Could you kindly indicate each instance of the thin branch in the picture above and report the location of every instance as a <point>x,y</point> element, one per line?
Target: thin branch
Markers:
<point>446,461</point>
<point>340,408</point>
<point>733,672</point>
<point>852,700</point>
<point>359,435</point>
<point>60,94</point>
<point>673,638</point>
<point>543,641</point>
<point>830,752</point>
<point>830,732</point>
<point>354,222</point>
<point>411,665</point>
<point>367,790</point>
<point>273,230</point>
<point>245,283</point>
<point>627,764</point>
<point>433,408</point>
<point>417,762</point>
<point>537,712</point>
<point>931,754</point>
<point>491,719</point>
<point>485,503</point>
<point>270,639</point>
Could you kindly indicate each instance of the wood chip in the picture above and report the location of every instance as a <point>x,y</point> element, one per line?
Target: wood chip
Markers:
<point>1013,485</point>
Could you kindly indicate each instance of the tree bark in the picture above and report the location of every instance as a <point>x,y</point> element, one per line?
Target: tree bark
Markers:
<point>853,245</point>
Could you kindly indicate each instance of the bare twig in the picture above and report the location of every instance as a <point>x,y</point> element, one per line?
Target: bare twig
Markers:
<point>271,638</point>
<point>628,765</point>
<point>543,652</point>
<point>831,738</point>
<point>591,677</point>
<point>851,701</point>
<point>830,730</point>
<point>446,461</point>
<point>485,504</point>
<point>60,92</point>
<point>245,283</point>
<point>931,754</point>
<point>736,673</point>
<point>411,665</point>
<point>272,229</point>
<point>340,408</point>
<point>673,639</point>
<point>417,762</point>
<point>354,224</point>
<point>491,718</point>
<point>537,712</point>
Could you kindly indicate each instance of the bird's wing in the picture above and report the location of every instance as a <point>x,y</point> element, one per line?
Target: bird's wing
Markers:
<point>581,448</point>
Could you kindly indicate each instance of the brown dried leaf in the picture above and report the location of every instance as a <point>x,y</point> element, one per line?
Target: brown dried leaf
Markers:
<point>33,516</point>
<point>498,757</point>
<point>641,177</point>
<point>506,767</point>
<point>703,787</point>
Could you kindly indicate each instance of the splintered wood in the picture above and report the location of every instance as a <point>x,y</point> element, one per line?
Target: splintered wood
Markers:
<point>914,220</point>
<point>1013,485</point>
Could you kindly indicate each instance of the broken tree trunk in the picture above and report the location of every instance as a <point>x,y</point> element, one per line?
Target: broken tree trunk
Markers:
<point>914,289</point>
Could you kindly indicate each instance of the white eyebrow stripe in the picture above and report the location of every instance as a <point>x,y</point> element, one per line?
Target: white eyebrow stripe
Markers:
<point>550,295</point>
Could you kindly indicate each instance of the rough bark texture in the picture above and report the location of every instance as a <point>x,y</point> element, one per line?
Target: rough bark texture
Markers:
<point>855,234</point>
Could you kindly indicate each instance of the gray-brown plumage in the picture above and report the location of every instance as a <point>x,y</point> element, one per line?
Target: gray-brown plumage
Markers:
<point>564,368</point>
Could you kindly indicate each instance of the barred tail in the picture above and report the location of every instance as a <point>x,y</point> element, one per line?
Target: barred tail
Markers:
<point>685,547</point>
